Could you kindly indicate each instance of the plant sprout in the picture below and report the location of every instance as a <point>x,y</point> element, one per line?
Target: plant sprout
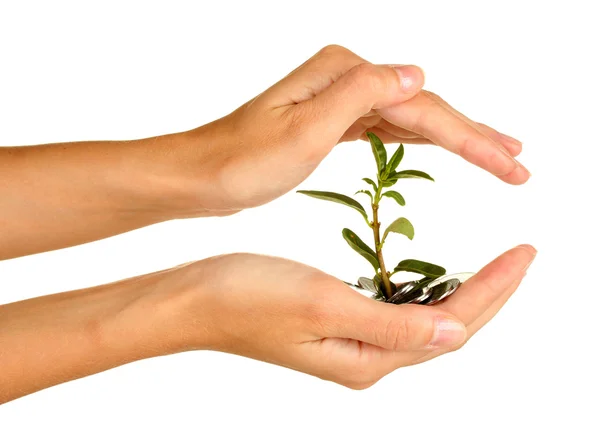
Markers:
<point>387,176</point>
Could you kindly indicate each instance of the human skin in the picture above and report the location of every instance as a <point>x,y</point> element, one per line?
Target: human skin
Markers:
<point>58,195</point>
<point>238,303</point>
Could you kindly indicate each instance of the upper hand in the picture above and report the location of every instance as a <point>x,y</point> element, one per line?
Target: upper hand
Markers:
<point>273,142</point>
<point>295,316</point>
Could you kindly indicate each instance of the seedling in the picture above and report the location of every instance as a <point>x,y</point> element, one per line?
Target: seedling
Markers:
<point>387,176</point>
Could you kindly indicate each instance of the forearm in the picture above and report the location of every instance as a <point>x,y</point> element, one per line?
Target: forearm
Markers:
<point>58,195</point>
<point>53,339</point>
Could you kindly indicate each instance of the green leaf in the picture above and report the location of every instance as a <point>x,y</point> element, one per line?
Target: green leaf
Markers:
<point>417,266</point>
<point>402,226</point>
<point>364,191</point>
<point>396,196</point>
<point>409,174</point>
<point>389,183</point>
<point>337,198</point>
<point>378,151</point>
<point>395,160</point>
<point>371,182</point>
<point>360,247</point>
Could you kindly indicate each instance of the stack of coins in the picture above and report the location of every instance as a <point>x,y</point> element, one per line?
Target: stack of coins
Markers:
<point>427,292</point>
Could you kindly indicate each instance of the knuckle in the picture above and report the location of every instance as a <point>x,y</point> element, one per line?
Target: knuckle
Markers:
<point>465,147</point>
<point>333,50</point>
<point>397,334</point>
<point>377,80</point>
<point>366,74</point>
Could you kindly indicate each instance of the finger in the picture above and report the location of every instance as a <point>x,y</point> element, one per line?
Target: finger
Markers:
<point>313,76</point>
<point>512,145</point>
<point>427,117</point>
<point>398,131</point>
<point>495,307</point>
<point>358,129</point>
<point>363,88</point>
<point>472,327</point>
<point>478,293</point>
<point>500,139</point>
<point>358,132</point>
<point>388,138</point>
<point>397,328</point>
<point>476,325</point>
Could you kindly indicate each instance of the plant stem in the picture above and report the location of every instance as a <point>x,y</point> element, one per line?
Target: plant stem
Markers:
<point>378,246</point>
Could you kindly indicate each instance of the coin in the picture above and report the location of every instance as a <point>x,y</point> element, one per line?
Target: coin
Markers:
<point>367,284</point>
<point>441,291</point>
<point>445,286</point>
<point>412,292</point>
<point>423,291</point>
<point>418,299</point>
<point>403,289</point>
<point>407,287</point>
<point>462,277</point>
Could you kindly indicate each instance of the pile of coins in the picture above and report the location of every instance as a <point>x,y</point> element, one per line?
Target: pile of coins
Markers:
<point>427,292</point>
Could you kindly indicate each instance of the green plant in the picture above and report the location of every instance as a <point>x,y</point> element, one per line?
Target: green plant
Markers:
<point>387,176</point>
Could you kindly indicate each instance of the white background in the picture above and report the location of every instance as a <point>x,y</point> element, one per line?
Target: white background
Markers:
<point>123,70</point>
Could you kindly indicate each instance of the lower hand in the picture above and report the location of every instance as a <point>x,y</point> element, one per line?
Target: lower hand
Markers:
<point>265,308</point>
<point>295,316</point>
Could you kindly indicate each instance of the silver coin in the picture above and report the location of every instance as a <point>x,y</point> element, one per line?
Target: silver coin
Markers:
<point>404,288</point>
<point>441,291</point>
<point>410,293</point>
<point>462,277</point>
<point>367,284</point>
<point>425,294</point>
<point>413,292</point>
<point>444,286</point>
<point>400,294</point>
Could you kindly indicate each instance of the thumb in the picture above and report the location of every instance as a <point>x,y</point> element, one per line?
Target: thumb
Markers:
<point>407,327</point>
<point>361,89</point>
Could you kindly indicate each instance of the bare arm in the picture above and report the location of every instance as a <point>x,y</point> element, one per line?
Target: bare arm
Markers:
<point>58,195</point>
<point>61,337</point>
<point>237,304</point>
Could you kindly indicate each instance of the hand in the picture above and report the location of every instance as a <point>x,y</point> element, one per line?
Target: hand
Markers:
<point>265,308</point>
<point>252,156</point>
<point>272,143</point>
<point>295,316</point>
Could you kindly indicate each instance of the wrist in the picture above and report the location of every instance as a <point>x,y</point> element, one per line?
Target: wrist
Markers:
<point>158,314</point>
<point>186,171</point>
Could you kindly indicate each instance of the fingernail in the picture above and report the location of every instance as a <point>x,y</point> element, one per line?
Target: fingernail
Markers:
<point>448,333</point>
<point>526,170</point>
<point>520,172</point>
<point>511,139</point>
<point>411,77</point>
<point>532,252</point>
<point>502,164</point>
